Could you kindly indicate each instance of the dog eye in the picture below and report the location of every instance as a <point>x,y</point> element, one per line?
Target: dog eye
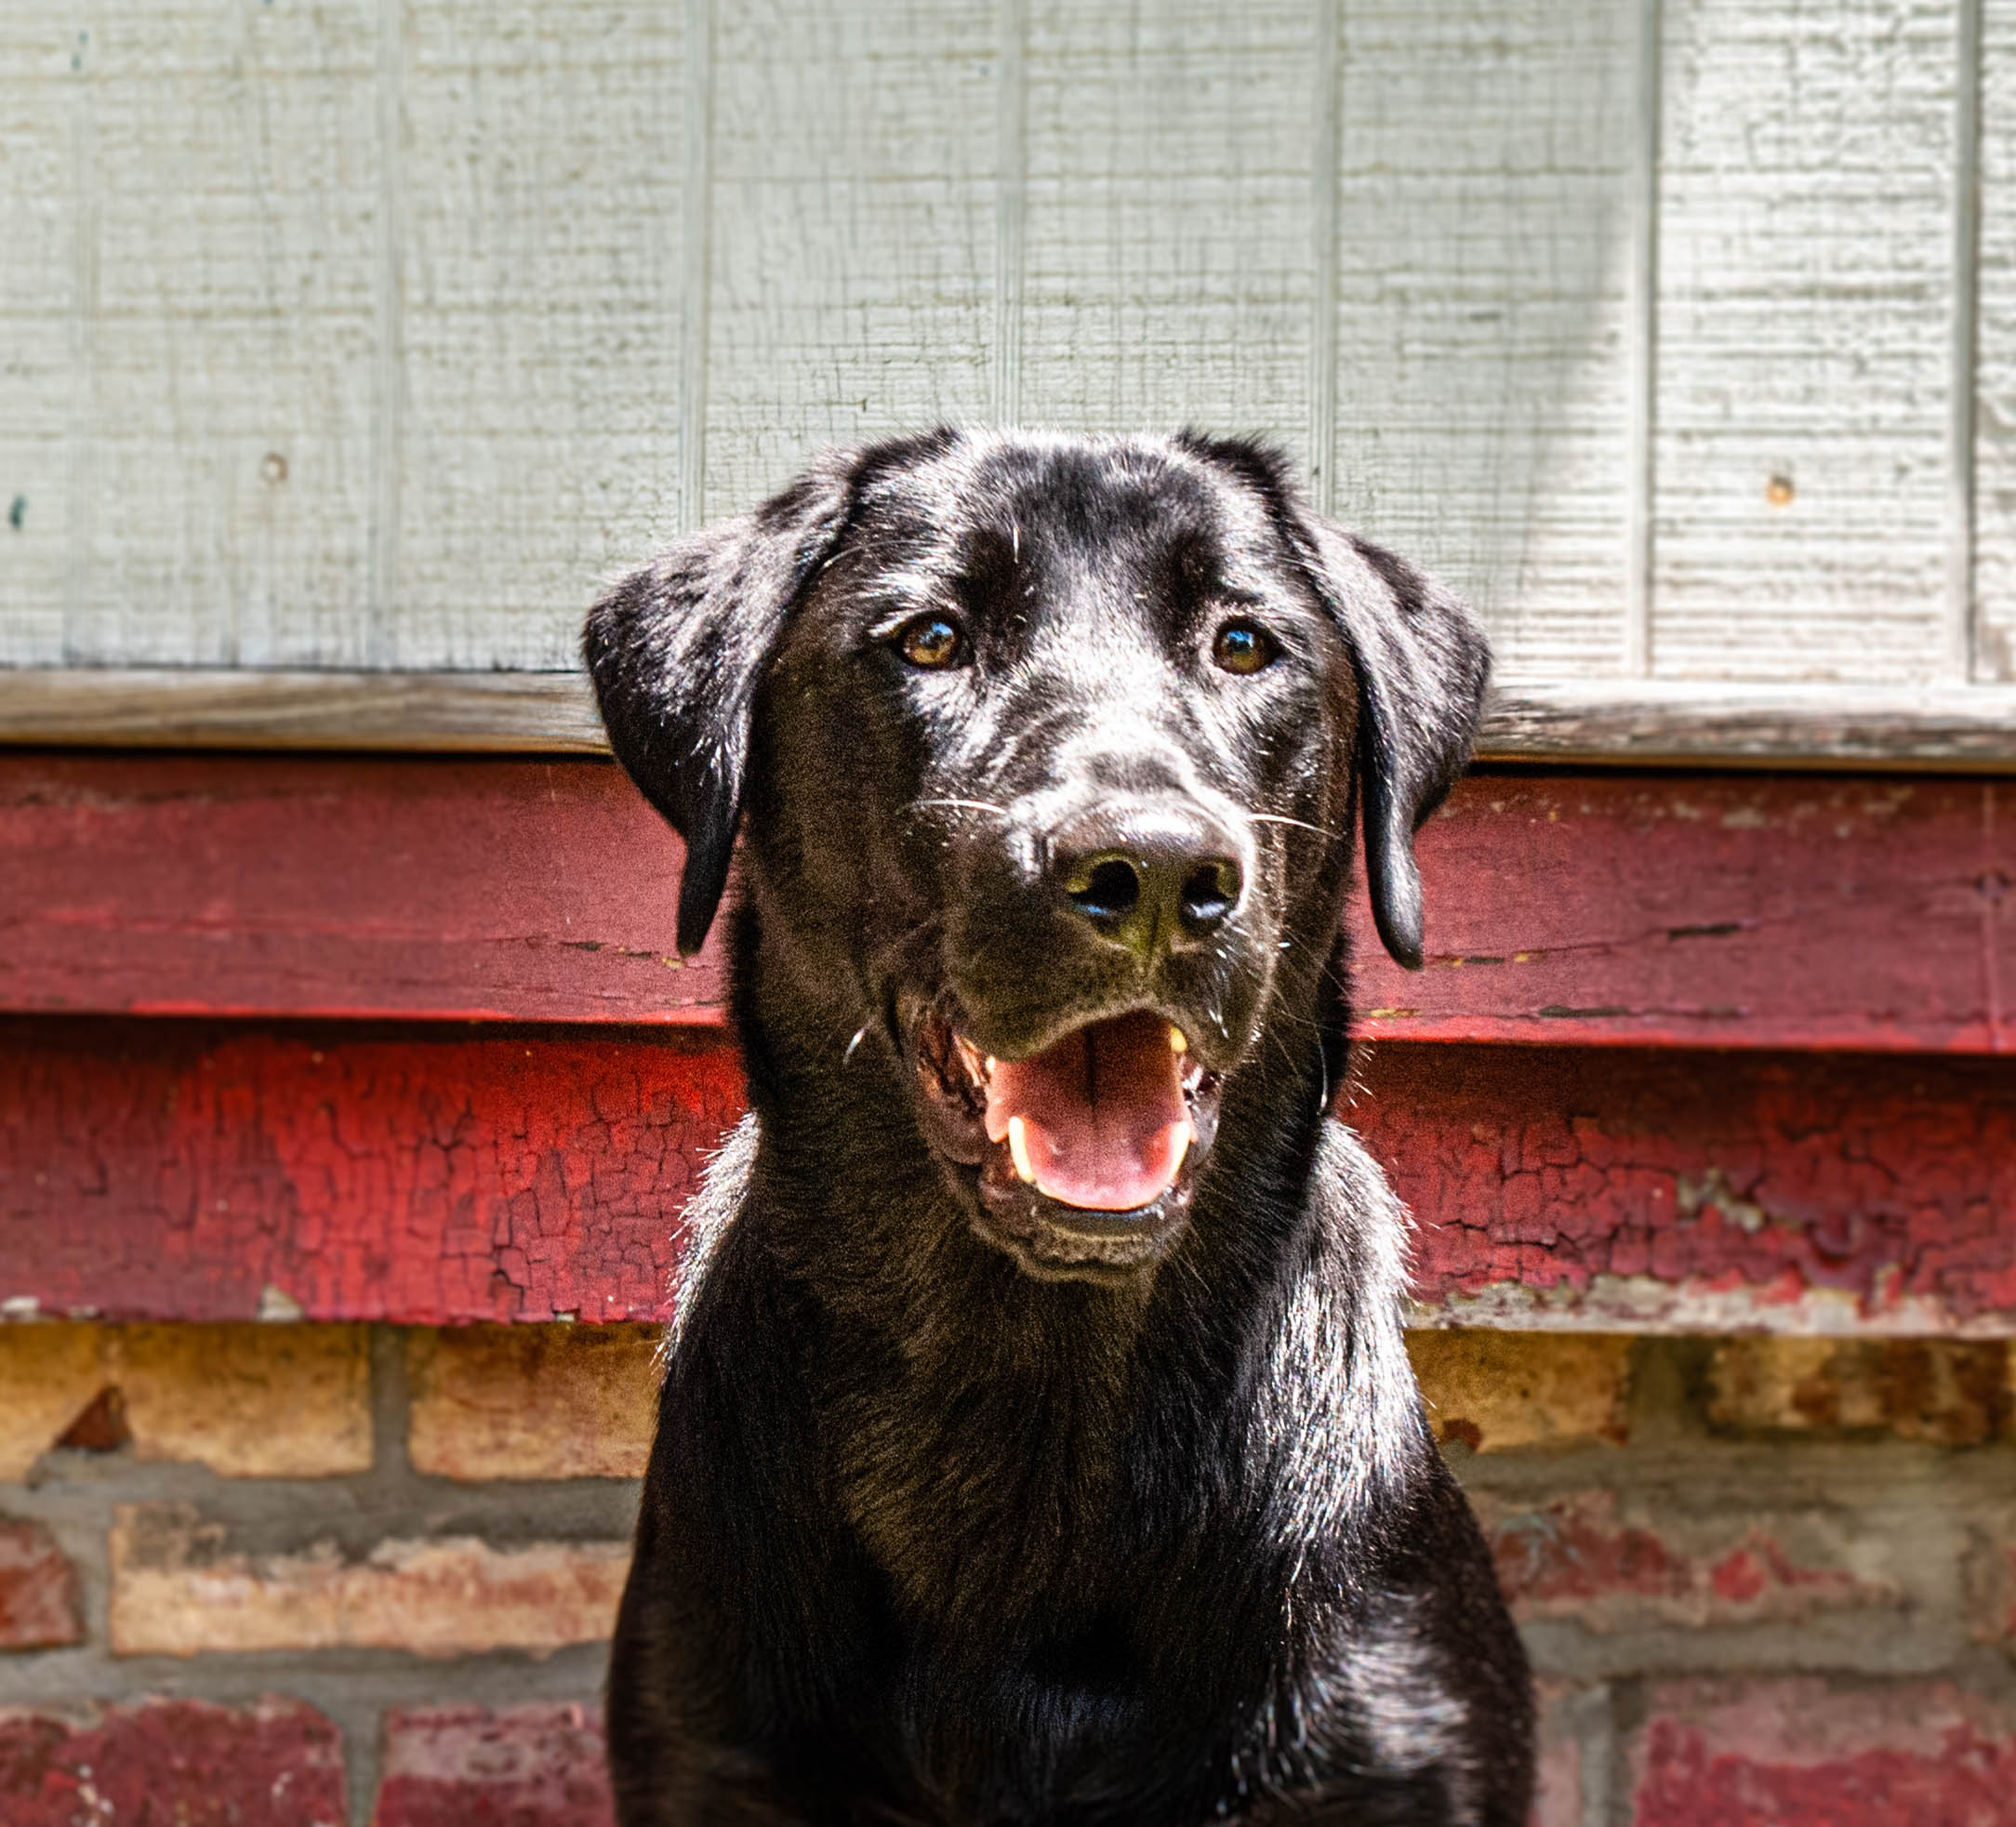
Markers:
<point>1244,647</point>
<point>932,641</point>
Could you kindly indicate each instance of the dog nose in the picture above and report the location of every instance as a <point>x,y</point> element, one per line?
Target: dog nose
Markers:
<point>1153,878</point>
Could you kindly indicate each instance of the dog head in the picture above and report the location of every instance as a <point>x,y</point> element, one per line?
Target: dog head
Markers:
<point>1048,753</point>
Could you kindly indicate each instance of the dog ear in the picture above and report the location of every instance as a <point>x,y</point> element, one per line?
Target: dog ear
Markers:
<point>1422,662</point>
<point>677,649</point>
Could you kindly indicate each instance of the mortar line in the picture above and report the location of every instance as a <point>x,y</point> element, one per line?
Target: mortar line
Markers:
<point>388,377</point>
<point>696,263</point>
<point>1011,197</point>
<point>1642,344</point>
<point>1325,150</point>
<point>1963,351</point>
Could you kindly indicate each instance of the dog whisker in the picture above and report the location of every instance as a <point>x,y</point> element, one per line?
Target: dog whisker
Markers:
<point>1300,823</point>
<point>859,1033</point>
<point>968,806</point>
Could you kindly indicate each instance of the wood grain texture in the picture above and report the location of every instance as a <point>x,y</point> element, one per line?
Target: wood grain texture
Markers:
<point>541,223</point>
<point>456,890</point>
<point>224,181</point>
<point>853,286</point>
<point>1683,909</point>
<point>179,1171</point>
<point>369,336</point>
<point>1965,727</point>
<point>1805,341</point>
<point>1483,361</point>
<point>1994,425</point>
<point>39,282</point>
<point>1168,241</point>
<point>1806,911</point>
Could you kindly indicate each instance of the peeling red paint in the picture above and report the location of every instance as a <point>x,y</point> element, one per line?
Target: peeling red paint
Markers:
<point>1889,1184</point>
<point>153,1169</point>
<point>1577,1557</point>
<point>536,1766</point>
<point>1760,910</point>
<point>275,1765</point>
<point>1800,1753</point>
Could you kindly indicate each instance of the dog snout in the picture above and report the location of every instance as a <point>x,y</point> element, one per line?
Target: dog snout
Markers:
<point>1152,876</point>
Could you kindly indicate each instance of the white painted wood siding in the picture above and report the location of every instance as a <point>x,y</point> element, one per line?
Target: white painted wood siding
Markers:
<point>367,335</point>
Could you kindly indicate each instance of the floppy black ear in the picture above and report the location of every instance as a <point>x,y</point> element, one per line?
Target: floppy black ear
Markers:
<point>1422,662</point>
<point>676,651</point>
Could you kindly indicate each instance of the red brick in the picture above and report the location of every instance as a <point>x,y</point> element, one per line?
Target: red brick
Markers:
<point>176,1762</point>
<point>1611,1566</point>
<point>1807,1753</point>
<point>520,1766</point>
<point>38,1590</point>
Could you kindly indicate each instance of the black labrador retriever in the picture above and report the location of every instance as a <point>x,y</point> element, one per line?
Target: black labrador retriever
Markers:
<point>1037,1442</point>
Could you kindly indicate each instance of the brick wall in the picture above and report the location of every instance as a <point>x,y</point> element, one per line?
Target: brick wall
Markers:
<point>300,1573</point>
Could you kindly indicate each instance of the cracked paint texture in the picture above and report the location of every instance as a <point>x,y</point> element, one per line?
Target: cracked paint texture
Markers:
<point>169,1169</point>
<point>1702,1190</point>
<point>154,1171</point>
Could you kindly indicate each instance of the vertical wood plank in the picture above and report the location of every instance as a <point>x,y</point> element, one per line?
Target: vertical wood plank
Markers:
<point>1805,339</point>
<point>542,262</point>
<point>225,474</point>
<point>1995,421</point>
<point>1168,226</point>
<point>854,190</point>
<point>1483,294</point>
<point>40,114</point>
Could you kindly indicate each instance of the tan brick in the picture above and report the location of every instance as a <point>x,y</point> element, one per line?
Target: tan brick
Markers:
<point>1954,1392</point>
<point>247,1401</point>
<point>180,1588</point>
<point>1502,1391</point>
<point>48,1376</point>
<point>533,1401</point>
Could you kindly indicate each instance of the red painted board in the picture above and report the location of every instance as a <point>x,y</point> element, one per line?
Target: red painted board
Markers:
<point>1779,910</point>
<point>1702,1191</point>
<point>1785,910</point>
<point>281,886</point>
<point>173,1170</point>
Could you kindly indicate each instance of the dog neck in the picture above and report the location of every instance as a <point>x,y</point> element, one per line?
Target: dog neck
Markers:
<point>1088,1414</point>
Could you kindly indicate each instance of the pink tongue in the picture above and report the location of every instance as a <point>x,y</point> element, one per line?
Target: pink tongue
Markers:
<point>1103,1116</point>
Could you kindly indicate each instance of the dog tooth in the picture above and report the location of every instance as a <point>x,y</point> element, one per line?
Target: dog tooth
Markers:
<point>1018,1149</point>
<point>1178,1042</point>
<point>1182,1148</point>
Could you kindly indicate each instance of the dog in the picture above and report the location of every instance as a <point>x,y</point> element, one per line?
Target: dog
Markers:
<point>1037,1442</point>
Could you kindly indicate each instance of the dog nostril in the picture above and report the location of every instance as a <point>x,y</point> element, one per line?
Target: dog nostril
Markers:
<point>1207,895</point>
<point>1110,891</point>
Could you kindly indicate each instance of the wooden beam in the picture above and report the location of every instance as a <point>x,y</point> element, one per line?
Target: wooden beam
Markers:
<point>1967,728</point>
<point>1789,910</point>
<point>185,1170</point>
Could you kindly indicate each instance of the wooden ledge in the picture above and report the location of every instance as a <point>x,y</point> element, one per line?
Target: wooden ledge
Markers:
<point>1636,724</point>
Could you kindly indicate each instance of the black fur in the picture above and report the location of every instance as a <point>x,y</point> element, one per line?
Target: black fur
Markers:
<point>961,1511</point>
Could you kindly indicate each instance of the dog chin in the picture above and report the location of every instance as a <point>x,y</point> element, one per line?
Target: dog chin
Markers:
<point>1080,1159</point>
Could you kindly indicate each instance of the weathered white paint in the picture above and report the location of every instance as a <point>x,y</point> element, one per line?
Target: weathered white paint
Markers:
<point>1805,339</point>
<point>372,334</point>
<point>853,248</point>
<point>1483,368</point>
<point>1993,480</point>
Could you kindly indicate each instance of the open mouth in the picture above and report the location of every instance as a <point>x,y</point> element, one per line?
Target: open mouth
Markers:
<point>1087,1150</point>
